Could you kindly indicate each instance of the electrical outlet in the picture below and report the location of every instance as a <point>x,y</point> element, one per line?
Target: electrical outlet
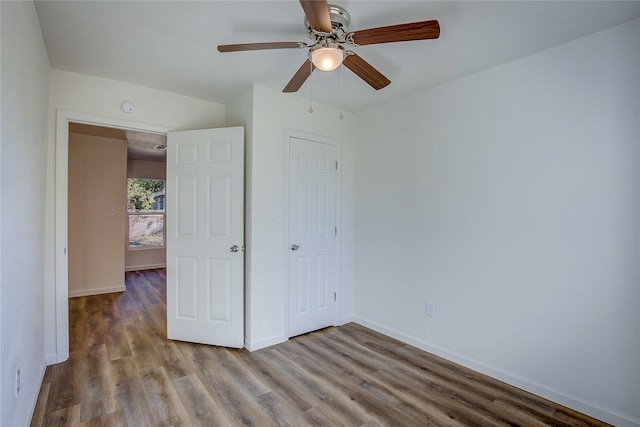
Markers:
<point>17,381</point>
<point>429,309</point>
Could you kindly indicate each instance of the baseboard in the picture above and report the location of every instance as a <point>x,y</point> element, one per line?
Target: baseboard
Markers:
<point>541,390</point>
<point>34,398</point>
<point>346,319</point>
<point>52,359</point>
<point>267,342</point>
<point>145,267</point>
<point>96,291</point>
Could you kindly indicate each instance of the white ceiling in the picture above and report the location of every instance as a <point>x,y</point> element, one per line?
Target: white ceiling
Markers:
<point>171,45</point>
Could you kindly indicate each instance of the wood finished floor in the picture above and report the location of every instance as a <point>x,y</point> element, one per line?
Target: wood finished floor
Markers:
<point>124,372</point>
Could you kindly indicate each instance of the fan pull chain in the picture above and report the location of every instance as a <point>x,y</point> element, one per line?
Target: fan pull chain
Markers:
<point>311,87</point>
<point>341,93</point>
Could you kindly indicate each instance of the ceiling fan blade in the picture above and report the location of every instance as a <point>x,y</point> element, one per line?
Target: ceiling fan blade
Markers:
<point>299,77</point>
<point>260,46</point>
<point>317,12</point>
<point>395,33</point>
<point>365,71</point>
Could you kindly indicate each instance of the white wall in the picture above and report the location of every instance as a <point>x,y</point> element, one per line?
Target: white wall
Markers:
<point>102,97</point>
<point>240,113</point>
<point>510,200</point>
<point>486,196</point>
<point>143,259</point>
<point>272,114</point>
<point>25,92</point>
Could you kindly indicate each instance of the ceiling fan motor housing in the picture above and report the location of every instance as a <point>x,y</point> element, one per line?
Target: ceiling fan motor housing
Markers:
<point>340,21</point>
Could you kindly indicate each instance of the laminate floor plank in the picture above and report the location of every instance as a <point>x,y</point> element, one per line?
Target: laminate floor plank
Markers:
<point>115,419</point>
<point>474,382</point>
<point>199,404</point>
<point>172,358</point>
<point>245,379</point>
<point>360,387</point>
<point>448,374</point>
<point>143,352</point>
<point>41,405</point>
<point>122,371</point>
<point>333,399</point>
<point>94,323</point>
<point>342,401</point>
<point>96,385</point>
<point>117,343</point>
<point>65,417</point>
<point>277,378</point>
<point>163,400</point>
<point>131,402</point>
<point>438,400</point>
<point>281,410</point>
<point>442,404</point>
<point>443,375</point>
<point>65,384</point>
<point>238,405</point>
<point>77,323</point>
<point>407,386</point>
<point>192,351</point>
<point>444,393</point>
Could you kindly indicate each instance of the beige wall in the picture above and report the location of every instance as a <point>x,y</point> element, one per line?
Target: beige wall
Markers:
<point>146,169</point>
<point>143,259</point>
<point>97,193</point>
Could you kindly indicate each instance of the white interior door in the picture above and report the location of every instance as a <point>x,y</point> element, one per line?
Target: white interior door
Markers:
<point>312,236</point>
<point>205,223</point>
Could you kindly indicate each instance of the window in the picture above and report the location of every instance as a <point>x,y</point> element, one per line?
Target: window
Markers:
<point>145,206</point>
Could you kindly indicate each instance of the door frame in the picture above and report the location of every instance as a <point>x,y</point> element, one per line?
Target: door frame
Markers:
<point>288,134</point>
<point>61,237</point>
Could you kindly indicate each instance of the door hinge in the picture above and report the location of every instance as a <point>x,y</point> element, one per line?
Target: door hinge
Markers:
<point>335,296</point>
<point>335,230</point>
<point>336,165</point>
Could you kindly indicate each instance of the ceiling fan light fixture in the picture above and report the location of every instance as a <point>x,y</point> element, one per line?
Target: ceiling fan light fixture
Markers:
<point>327,58</point>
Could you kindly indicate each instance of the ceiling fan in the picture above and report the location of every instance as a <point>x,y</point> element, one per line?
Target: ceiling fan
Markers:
<point>327,27</point>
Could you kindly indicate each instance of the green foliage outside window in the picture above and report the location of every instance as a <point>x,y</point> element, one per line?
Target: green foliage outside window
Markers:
<point>145,203</point>
<point>141,193</point>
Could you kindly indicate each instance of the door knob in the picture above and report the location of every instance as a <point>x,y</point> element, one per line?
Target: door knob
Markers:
<point>295,247</point>
<point>234,248</point>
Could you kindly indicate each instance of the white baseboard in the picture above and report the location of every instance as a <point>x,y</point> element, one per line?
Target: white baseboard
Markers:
<point>96,291</point>
<point>267,342</point>
<point>541,390</point>
<point>34,398</point>
<point>52,359</point>
<point>145,267</point>
<point>346,319</point>
<point>277,339</point>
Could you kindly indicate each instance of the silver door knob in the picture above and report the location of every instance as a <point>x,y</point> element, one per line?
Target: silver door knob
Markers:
<point>295,247</point>
<point>234,248</point>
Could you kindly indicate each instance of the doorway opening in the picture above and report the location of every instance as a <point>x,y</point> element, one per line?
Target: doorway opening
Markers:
<point>64,121</point>
<point>115,194</point>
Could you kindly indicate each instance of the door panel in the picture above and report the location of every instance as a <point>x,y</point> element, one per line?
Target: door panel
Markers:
<point>205,231</point>
<point>312,232</point>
